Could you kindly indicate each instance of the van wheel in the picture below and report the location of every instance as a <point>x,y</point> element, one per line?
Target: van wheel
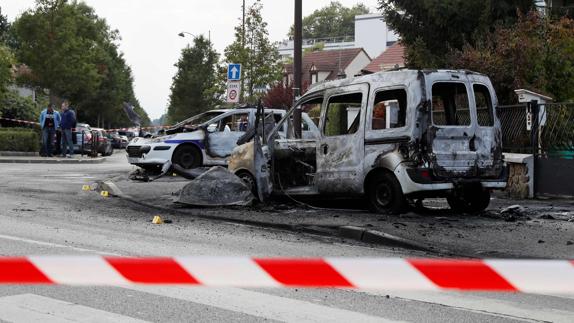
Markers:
<point>472,203</point>
<point>249,180</point>
<point>385,194</point>
<point>187,157</point>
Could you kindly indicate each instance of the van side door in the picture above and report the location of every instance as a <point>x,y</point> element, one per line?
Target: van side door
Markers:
<point>340,147</point>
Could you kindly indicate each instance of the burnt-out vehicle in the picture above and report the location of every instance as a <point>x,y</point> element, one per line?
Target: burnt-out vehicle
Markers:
<point>391,137</point>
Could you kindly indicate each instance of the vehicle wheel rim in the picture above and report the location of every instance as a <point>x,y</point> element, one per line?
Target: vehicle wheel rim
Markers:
<point>247,179</point>
<point>187,160</point>
<point>383,194</point>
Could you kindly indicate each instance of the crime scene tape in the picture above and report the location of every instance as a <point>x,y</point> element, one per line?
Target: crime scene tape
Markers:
<point>487,275</point>
<point>117,129</point>
<point>20,121</point>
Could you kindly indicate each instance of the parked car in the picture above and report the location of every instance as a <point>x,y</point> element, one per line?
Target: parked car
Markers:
<point>128,134</point>
<point>82,137</point>
<point>103,142</point>
<point>389,137</point>
<point>118,141</point>
<point>206,139</point>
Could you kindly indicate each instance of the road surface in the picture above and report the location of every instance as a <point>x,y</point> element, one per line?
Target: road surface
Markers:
<point>43,211</point>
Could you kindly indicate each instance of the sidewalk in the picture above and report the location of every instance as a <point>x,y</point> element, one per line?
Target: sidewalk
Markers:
<point>50,160</point>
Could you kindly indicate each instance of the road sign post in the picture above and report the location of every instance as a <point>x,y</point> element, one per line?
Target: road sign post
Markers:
<point>233,91</point>
<point>234,72</point>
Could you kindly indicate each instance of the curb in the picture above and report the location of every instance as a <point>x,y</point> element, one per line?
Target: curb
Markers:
<point>18,154</point>
<point>347,232</point>
<point>49,160</point>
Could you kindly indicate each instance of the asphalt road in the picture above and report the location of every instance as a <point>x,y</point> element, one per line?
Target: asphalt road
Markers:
<point>43,211</point>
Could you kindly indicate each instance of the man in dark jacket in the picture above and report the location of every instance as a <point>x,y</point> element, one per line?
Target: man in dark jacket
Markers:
<point>68,124</point>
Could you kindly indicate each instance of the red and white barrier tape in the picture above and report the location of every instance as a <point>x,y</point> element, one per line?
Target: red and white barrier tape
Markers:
<point>20,121</point>
<point>117,129</point>
<point>531,276</point>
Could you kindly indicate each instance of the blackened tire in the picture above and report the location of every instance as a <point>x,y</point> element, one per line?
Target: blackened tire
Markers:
<point>471,203</point>
<point>385,194</point>
<point>187,157</point>
<point>249,180</point>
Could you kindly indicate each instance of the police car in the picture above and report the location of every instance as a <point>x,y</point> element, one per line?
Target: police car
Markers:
<point>206,139</point>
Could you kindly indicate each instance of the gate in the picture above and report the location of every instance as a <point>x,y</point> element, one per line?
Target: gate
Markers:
<point>547,132</point>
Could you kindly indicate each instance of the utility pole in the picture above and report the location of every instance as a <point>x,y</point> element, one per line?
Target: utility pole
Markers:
<point>297,62</point>
<point>243,26</point>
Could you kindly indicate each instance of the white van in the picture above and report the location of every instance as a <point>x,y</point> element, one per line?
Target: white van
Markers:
<point>389,136</point>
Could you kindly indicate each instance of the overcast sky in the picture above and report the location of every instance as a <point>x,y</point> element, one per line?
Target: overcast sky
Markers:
<point>149,31</point>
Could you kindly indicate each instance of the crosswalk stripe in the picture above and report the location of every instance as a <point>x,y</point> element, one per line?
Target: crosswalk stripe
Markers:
<point>30,308</point>
<point>260,304</point>
<point>485,305</point>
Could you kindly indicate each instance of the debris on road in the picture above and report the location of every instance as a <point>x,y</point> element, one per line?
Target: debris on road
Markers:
<point>216,187</point>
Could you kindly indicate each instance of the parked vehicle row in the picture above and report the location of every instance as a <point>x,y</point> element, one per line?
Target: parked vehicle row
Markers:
<point>88,140</point>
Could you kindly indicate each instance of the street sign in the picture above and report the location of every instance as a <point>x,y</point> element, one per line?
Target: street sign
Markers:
<point>234,72</point>
<point>233,91</point>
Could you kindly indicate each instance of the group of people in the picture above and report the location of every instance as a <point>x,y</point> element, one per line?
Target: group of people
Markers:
<point>54,123</point>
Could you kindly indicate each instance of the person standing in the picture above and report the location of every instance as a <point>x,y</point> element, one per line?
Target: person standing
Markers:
<point>68,124</point>
<point>49,122</point>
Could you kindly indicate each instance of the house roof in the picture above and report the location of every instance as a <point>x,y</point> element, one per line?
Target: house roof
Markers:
<point>327,61</point>
<point>394,55</point>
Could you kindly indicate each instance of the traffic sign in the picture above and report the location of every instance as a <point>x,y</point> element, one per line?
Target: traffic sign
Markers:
<point>233,91</point>
<point>234,72</point>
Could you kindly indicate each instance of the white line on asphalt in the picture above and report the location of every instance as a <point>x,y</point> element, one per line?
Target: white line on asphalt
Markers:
<point>261,305</point>
<point>484,305</point>
<point>34,308</point>
<point>56,245</point>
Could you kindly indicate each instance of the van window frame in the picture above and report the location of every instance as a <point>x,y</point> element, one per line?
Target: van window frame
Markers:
<point>472,115</point>
<point>492,101</point>
<point>363,89</point>
<point>289,113</point>
<point>371,106</point>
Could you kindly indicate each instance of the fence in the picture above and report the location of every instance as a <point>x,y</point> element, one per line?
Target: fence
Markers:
<point>546,130</point>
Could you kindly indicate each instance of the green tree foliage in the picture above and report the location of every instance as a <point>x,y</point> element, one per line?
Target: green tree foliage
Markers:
<point>195,86</point>
<point>334,20</point>
<point>73,53</point>
<point>536,53</point>
<point>257,55</point>
<point>431,28</point>
<point>13,106</point>
<point>7,60</point>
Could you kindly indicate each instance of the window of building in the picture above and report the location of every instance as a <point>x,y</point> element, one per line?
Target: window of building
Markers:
<point>450,105</point>
<point>389,109</point>
<point>343,114</point>
<point>484,109</point>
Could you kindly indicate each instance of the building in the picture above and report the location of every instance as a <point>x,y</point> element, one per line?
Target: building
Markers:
<point>328,65</point>
<point>392,58</point>
<point>371,33</point>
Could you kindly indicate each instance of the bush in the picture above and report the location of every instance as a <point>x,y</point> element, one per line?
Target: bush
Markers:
<point>19,139</point>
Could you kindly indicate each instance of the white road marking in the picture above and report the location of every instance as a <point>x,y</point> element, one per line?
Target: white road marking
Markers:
<point>484,305</point>
<point>30,308</point>
<point>55,245</point>
<point>260,304</point>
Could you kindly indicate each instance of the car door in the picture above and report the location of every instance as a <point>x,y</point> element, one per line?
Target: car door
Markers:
<point>223,134</point>
<point>340,147</point>
<point>453,131</point>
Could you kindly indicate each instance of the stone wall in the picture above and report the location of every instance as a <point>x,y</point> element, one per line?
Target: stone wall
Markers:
<point>518,181</point>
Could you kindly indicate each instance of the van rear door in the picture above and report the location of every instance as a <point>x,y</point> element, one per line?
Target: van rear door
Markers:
<point>461,145</point>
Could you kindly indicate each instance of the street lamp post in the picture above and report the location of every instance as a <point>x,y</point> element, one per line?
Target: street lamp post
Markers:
<point>183,33</point>
<point>298,39</point>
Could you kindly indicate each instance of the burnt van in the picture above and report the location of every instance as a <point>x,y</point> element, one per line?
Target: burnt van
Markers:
<point>389,136</point>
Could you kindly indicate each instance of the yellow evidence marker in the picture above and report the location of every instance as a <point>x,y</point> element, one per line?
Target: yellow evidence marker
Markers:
<point>105,194</point>
<point>157,220</point>
<point>86,188</point>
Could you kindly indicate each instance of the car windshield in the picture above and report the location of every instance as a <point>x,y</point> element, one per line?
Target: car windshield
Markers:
<point>199,119</point>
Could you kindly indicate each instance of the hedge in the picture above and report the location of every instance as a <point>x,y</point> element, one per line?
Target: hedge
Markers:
<point>19,139</point>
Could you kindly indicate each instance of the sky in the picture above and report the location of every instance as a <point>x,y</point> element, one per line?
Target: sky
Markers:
<point>149,31</point>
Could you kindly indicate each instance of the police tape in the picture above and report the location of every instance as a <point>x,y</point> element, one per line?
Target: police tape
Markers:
<point>489,275</point>
<point>20,121</point>
<point>116,129</point>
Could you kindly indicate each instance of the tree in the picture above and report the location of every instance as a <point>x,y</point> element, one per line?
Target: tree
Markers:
<point>6,62</point>
<point>334,20</point>
<point>257,55</point>
<point>431,28</point>
<point>536,53</point>
<point>73,53</point>
<point>194,88</point>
